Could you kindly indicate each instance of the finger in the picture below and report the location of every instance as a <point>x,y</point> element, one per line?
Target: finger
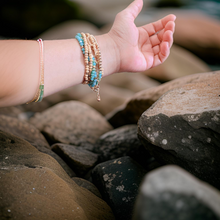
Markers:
<point>170,26</point>
<point>134,8</point>
<point>159,25</point>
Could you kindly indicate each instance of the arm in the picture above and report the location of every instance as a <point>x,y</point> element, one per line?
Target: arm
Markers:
<point>125,48</point>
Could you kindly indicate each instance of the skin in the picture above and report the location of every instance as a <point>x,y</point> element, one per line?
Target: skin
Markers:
<point>125,48</point>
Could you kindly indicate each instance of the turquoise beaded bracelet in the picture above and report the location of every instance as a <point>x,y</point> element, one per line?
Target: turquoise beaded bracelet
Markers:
<point>93,61</point>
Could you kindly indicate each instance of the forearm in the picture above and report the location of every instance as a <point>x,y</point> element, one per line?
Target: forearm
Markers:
<point>63,67</point>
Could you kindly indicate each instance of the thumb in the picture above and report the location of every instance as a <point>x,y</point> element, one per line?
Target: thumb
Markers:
<point>135,8</point>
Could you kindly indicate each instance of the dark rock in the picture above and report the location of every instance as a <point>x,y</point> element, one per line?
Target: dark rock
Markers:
<point>118,181</point>
<point>12,111</point>
<point>34,185</point>
<point>121,142</point>
<point>87,185</point>
<point>80,160</point>
<point>130,112</point>
<point>71,122</point>
<point>183,128</point>
<point>173,194</point>
<point>31,134</point>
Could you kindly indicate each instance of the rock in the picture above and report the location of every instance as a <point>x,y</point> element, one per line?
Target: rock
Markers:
<point>134,82</point>
<point>33,185</point>
<point>179,63</point>
<point>80,160</point>
<point>121,142</point>
<point>69,29</point>
<point>87,185</point>
<point>183,128</point>
<point>12,111</point>
<point>172,193</point>
<point>71,122</point>
<point>111,97</point>
<point>31,134</point>
<point>130,112</point>
<point>206,47</point>
<point>118,181</point>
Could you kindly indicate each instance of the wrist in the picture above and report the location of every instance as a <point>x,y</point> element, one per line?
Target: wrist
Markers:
<point>110,54</point>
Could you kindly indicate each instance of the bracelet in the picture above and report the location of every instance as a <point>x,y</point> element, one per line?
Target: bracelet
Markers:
<point>40,92</point>
<point>93,61</point>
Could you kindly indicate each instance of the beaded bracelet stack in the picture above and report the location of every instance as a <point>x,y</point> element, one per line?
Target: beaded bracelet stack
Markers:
<point>40,92</point>
<point>93,61</point>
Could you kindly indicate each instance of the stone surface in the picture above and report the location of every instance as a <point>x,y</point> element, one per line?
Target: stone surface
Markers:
<point>183,128</point>
<point>118,181</point>
<point>87,185</point>
<point>179,63</point>
<point>111,97</point>
<point>12,111</point>
<point>71,122</point>
<point>80,160</point>
<point>171,193</point>
<point>130,112</point>
<point>121,142</point>
<point>208,46</point>
<point>31,134</point>
<point>33,185</point>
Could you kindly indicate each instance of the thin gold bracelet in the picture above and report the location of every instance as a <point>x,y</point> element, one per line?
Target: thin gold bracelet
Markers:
<point>40,92</point>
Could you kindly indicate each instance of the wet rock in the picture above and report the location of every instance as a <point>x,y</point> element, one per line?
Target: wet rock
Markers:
<point>171,193</point>
<point>87,185</point>
<point>118,181</point>
<point>31,134</point>
<point>206,47</point>
<point>121,142</point>
<point>130,112</point>
<point>33,185</point>
<point>183,128</point>
<point>80,160</point>
<point>71,122</point>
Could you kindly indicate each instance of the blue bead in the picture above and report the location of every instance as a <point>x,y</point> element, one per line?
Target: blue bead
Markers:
<point>94,63</point>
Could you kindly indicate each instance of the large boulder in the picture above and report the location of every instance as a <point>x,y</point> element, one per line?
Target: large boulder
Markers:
<point>130,112</point>
<point>32,135</point>
<point>71,122</point>
<point>33,185</point>
<point>171,193</point>
<point>183,128</point>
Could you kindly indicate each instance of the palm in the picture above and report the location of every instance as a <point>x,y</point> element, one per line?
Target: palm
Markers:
<point>144,47</point>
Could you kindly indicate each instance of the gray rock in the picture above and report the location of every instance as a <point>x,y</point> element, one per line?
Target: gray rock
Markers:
<point>87,185</point>
<point>80,160</point>
<point>130,112</point>
<point>118,181</point>
<point>34,186</point>
<point>183,128</point>
<point>121,142</point>
<point>171,193</point>
<point>71,122</point>
<point>31,134</point>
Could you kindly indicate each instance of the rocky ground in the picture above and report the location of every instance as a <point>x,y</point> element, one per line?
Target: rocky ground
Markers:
<point>149,150</point>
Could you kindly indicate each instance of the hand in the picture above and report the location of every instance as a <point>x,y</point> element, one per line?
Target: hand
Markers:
<point>141,48</point>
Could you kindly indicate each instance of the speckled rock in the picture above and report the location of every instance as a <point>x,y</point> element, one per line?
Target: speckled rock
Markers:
<point>171,193</point>
<point>183,128</point>
<point>118,181</point>
<point>33,185</point>
<point>80,160</point>
<point>12,111</point>
<point>31,134</point>
<point>71,122</point>
<point>130,112</point>
<point>122,142</point>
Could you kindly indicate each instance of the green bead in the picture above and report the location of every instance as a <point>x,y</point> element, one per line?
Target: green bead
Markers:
<point>41,88</point>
